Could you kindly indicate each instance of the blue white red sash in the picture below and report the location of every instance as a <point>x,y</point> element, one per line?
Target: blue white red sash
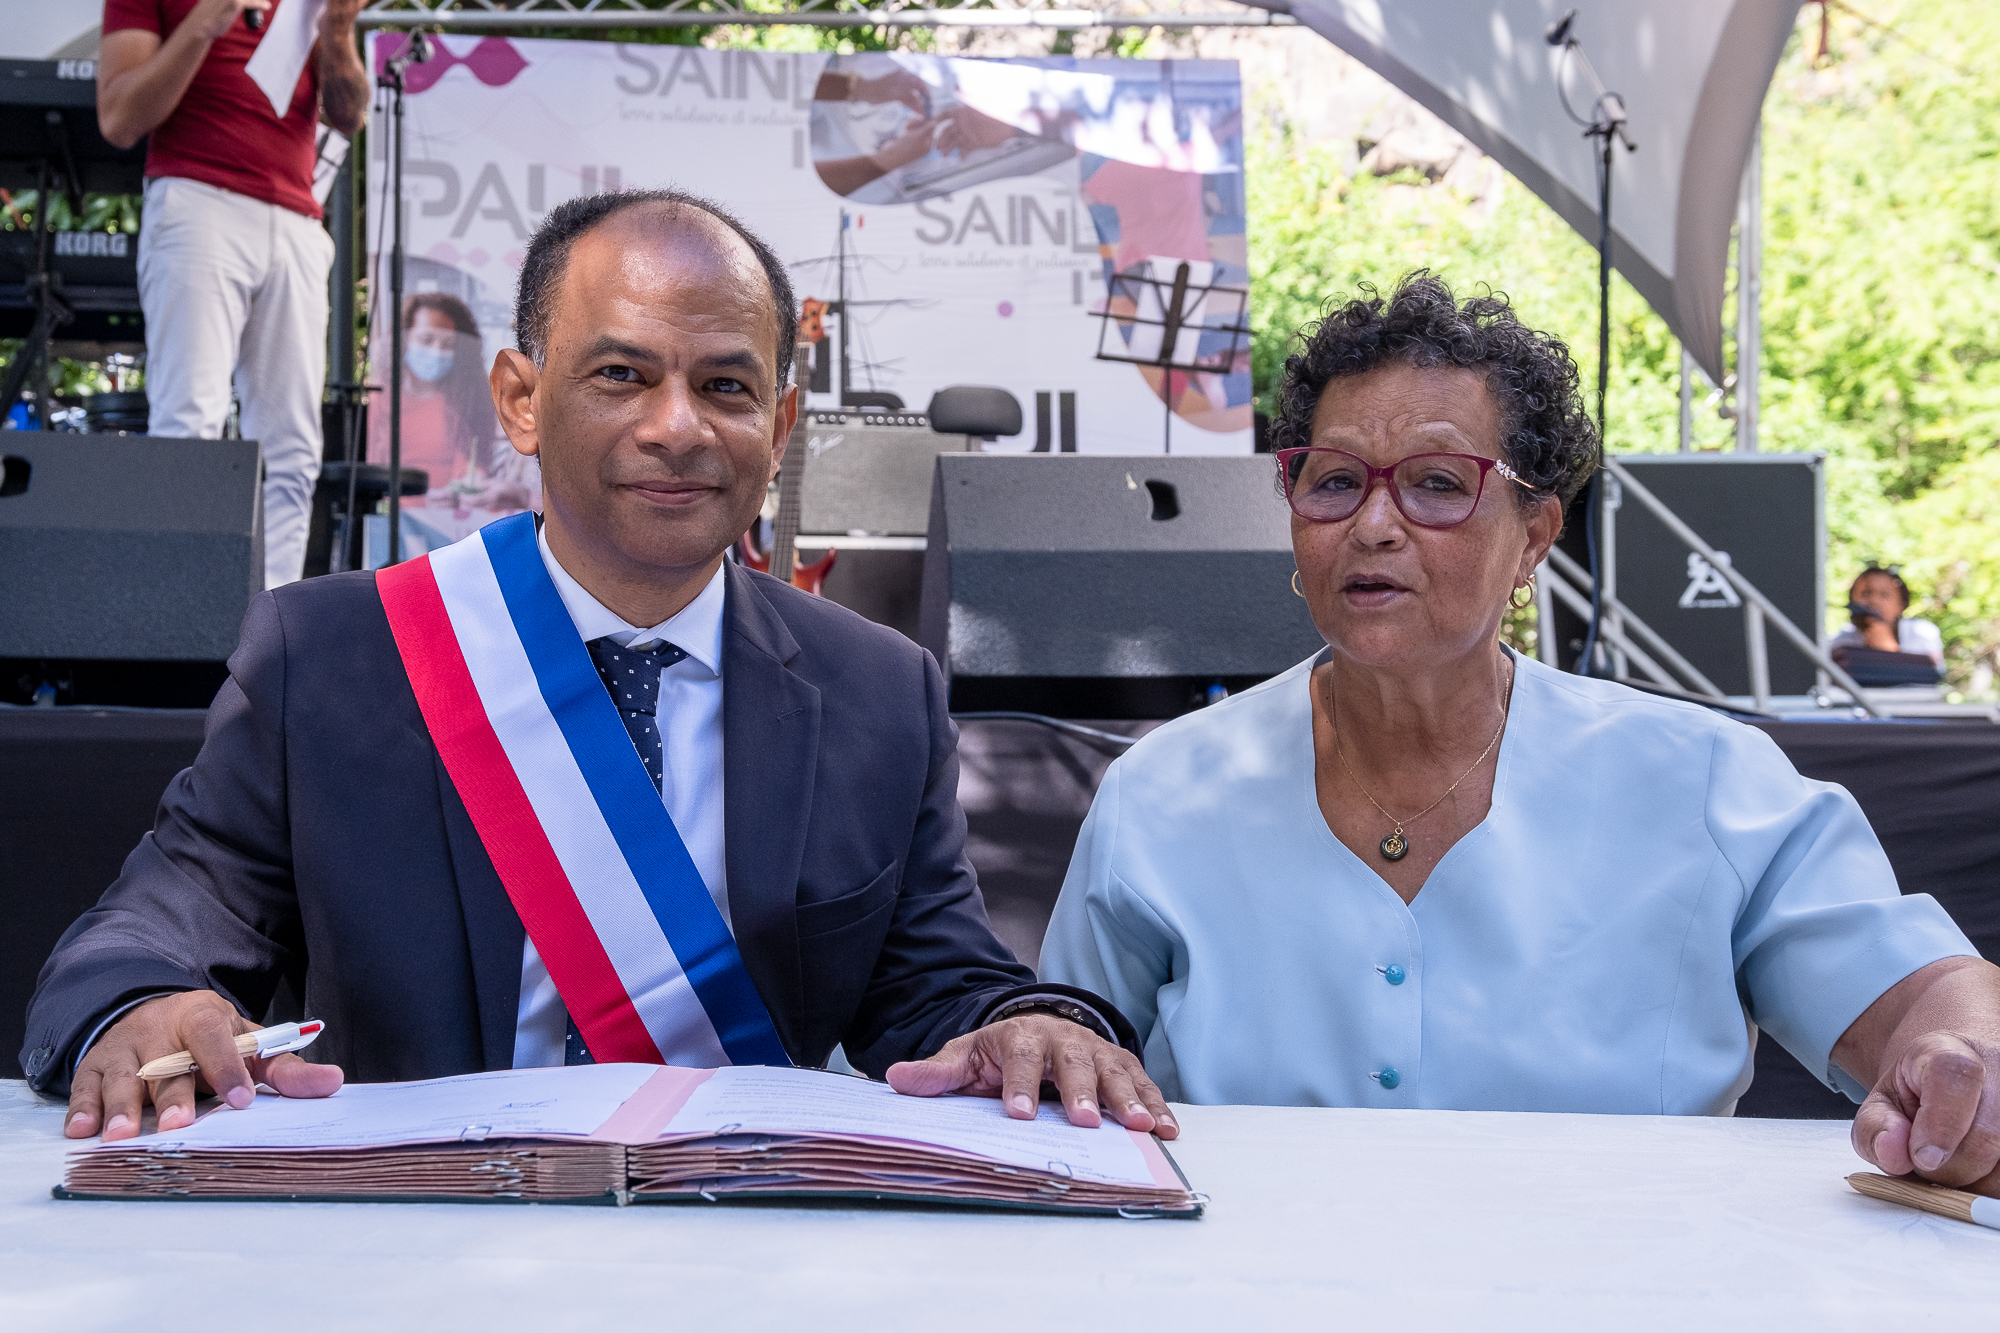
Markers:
<point>566,809</point>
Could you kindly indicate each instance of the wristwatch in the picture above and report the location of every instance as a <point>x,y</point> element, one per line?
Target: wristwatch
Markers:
<point>1081,1014</point>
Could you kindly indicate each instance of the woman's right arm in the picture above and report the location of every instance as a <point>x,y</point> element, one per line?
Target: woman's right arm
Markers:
<point>1103,937</point>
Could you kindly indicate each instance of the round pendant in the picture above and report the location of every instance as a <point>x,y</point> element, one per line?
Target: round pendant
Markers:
<point>1395,847</point>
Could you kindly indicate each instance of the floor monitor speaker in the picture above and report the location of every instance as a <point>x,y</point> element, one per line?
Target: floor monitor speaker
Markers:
<point>127,547</point>
<point>1082,569</point>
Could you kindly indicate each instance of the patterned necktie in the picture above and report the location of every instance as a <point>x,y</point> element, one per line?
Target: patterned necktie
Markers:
<point>632,675</point>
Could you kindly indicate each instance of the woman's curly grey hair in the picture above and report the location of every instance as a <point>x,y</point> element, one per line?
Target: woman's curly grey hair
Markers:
<point>1546,435</point>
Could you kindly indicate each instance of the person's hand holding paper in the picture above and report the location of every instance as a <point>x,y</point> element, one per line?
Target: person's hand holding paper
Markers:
<point>107,1090</point>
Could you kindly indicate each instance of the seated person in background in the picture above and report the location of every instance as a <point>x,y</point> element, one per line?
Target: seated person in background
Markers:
<point>580,789</point>
<point>1422,870</point>
<point>1878,600</point>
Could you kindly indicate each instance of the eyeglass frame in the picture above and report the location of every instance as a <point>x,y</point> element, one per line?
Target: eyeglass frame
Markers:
<point>1387,474</point>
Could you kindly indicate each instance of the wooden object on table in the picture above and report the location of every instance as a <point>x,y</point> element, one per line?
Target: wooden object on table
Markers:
<point>1942,1200</point>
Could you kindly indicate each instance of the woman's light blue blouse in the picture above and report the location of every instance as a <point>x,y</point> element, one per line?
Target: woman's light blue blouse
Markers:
<point>1651,880</point>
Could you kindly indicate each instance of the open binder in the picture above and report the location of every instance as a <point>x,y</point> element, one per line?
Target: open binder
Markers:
<point>624,1133</point>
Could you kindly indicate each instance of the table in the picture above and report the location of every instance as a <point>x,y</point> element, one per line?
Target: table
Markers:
<point>1391,1220</point>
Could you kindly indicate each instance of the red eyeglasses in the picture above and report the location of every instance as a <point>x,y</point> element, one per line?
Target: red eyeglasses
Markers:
<point>1430,490</point>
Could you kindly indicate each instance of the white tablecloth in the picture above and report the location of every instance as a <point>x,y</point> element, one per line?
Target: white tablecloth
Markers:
<point>1385,1220</point>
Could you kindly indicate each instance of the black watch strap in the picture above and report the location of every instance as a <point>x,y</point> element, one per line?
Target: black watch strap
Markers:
<point>1072,1003</point>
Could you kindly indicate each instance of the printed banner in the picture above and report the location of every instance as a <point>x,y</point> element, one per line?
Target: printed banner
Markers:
<point>946,221</point>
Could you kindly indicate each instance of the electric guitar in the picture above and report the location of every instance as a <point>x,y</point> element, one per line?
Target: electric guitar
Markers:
<point>783,554</point>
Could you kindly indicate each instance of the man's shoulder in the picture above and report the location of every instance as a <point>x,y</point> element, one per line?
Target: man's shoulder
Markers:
<point>331,603</point>
<point>826,631</point>
<point>334,623</point>
<point>144,15</point>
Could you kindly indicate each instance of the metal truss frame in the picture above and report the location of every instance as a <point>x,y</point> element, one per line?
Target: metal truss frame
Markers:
<point>507,15</point>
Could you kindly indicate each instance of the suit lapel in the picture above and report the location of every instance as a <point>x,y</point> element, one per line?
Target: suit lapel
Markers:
<point>770,740</point>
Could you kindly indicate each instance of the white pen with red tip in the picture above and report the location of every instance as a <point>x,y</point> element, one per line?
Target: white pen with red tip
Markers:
<point>265,1041</point>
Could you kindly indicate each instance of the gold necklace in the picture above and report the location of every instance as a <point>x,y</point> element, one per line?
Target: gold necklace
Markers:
<point>1395,847</point>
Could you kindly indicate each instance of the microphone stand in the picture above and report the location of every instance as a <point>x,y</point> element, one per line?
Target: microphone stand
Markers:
<point>1606,125</point>
<point>414,52</point>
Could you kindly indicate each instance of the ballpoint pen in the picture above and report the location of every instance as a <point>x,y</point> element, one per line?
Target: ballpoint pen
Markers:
<point>265,1041</point>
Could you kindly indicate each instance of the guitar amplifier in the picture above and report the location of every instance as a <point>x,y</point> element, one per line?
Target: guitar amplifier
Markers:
<point>868,472</point>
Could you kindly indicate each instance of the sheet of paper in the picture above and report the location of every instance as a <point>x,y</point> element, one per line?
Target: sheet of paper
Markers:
<point>754,1099</point>
<point>503,1104</point>
<point>289,33</point>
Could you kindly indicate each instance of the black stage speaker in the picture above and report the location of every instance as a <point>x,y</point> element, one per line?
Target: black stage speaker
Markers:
<point>127,547</point>
<point>1767,512</point>
<point>1087,569</point>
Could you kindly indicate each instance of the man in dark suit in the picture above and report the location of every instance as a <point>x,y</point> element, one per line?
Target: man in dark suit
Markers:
<point>322,842</point>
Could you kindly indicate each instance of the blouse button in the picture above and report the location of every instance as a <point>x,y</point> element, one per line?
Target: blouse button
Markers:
<point>1389,1077</point>
<point>1393,974</point>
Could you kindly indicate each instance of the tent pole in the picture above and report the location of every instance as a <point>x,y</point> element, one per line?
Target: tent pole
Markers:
<point>1749,295</point>
<point>1687,401</point>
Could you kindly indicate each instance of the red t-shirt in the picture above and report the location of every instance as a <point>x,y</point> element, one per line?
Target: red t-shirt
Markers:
<point>223,133</point>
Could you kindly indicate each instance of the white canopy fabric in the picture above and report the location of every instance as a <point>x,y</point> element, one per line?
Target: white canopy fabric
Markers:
<point>1693,76</point>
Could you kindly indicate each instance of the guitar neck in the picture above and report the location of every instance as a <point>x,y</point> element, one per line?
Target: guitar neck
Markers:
<point>785,527</point>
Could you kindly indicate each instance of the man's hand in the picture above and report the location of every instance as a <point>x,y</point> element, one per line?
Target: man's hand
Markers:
<point>213,18</point>
<point>108,1091</point>
<point>962,130</point>
<point>899,85</point>
<point>1936,1111</point>
<point>1010,1060</point>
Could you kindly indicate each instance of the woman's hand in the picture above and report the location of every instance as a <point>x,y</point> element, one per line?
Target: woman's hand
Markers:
<point>1935,1106</point>
<point>1937,1113</point>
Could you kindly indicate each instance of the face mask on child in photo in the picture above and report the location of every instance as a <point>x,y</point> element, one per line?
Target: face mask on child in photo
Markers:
<point>429,364</point>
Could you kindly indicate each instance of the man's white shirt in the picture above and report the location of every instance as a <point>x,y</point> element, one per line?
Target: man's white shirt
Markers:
<point>690,722</point>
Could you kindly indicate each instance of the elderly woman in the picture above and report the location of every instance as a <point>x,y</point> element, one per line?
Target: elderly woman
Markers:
<point>1420,870</point>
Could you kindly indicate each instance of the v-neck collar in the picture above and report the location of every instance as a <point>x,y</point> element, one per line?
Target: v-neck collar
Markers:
<point>1300,724</point>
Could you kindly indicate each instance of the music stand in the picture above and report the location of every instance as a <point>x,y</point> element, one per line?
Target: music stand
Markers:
<point>1171,314</point>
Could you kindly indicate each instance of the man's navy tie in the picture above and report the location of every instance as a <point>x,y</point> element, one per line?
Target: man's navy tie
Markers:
<point>632,675</point>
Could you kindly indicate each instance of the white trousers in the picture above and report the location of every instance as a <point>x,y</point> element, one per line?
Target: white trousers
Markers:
<point>235,288</point>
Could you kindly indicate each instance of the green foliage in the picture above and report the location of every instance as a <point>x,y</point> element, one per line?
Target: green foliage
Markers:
<point>101,212</point>
<point>1881,285</point>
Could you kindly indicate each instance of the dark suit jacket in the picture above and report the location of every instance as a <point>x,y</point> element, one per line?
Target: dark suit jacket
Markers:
<point>318,844</point>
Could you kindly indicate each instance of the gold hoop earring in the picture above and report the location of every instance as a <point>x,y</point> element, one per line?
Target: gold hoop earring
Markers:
<point>1529,588</point>
<point>1295,583</point>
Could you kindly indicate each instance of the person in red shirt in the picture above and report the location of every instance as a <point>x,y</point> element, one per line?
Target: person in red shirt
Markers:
<point>232,260</point>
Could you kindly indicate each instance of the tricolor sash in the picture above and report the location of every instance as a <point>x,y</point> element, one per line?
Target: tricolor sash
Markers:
<point>566,810</point>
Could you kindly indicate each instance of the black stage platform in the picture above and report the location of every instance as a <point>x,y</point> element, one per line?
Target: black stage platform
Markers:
<point>77,789</point>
